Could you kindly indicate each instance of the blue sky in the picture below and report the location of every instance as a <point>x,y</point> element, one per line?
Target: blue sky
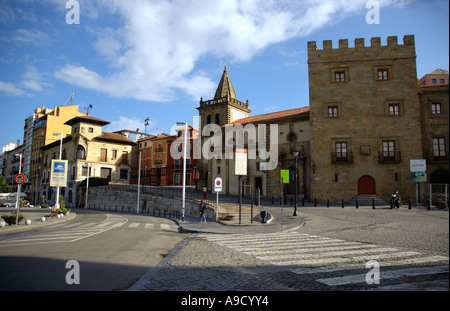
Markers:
<point>136,59</point>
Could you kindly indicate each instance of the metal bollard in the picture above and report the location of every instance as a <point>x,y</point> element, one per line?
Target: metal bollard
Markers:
<point>373,203</point>
<point>328,202</point>
<point>342,203</point>
<point>357,203</point>
<point>315,202</point>
<point>409,204</point>
<point>429,204</point>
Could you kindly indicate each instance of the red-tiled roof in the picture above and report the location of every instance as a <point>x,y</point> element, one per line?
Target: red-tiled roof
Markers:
<point>273,116</point>
<point>114,137</point>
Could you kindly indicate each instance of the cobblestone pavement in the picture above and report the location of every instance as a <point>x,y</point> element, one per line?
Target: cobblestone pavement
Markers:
<point>329,252</point>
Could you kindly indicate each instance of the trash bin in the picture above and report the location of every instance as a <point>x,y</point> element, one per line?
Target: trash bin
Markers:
<point>263,216</point>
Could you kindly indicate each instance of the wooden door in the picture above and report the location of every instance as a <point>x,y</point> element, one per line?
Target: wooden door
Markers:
<point>366,185</point>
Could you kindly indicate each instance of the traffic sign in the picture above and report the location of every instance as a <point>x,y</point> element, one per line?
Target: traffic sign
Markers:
<point>20,179</point>
<point>218,184</point>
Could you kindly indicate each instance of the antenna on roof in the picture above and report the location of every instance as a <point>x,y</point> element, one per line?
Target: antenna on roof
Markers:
<point>70,100</point>
<point>87,108</point>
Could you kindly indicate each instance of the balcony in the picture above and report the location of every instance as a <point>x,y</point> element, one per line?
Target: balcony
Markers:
<point>342,158</point>
<point>389,157</point>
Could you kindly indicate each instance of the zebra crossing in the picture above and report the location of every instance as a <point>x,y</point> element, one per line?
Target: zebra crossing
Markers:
<point>335,262</point>
<point>66,233</point>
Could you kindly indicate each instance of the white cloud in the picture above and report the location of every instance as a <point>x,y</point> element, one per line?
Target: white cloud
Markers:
<point>125,123</point>
<point>153,55</point>
<point>9,88</point>
<point>32,80</point>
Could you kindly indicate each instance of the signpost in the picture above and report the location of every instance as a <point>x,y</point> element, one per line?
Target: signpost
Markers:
<point>218,188</point>
<point>418,169</point>
<point>240,168</point>
<point>284,174</point>
<point>58,173</point>
<point>19,179</point>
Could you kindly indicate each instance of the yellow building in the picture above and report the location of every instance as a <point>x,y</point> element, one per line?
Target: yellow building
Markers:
<point>48,123</point>
<point>107,155</point>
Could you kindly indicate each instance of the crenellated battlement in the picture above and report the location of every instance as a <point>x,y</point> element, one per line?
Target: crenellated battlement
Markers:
<point>359,43</point>
<point>361,50</point>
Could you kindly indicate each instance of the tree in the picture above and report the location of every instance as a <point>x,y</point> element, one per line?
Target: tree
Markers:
<point>4,187</point>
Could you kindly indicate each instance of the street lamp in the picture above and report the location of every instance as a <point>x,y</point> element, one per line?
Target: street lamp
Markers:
<point>87,184</point>
<point>147,122</point>
<point>139,184</point>
<point>184,165</point>
<point>297,155</point>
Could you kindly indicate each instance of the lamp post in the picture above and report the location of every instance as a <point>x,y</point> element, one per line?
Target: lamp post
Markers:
<point>147,122</point>
<point>184,166</point>
<point>87,184</point>
<point>60,153</point>
<point>295,154</point>
<point>139,185</point>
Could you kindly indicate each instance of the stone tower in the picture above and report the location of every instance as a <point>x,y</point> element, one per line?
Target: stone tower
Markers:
<point>364,117</point>
<point>225,107</point>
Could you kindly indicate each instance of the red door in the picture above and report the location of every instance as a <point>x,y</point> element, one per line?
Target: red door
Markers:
<point>366,185</point>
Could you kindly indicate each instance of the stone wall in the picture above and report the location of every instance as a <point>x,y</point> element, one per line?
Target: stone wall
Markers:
<point>108,199</point>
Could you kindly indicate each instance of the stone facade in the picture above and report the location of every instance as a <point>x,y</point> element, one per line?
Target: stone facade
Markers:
<point>365,118</point>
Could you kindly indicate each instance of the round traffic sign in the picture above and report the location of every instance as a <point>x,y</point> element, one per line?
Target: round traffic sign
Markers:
<point>19,179</point>
<point>218,182</point>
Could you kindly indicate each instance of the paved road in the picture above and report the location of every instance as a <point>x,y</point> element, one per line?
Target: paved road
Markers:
<point>329,252</point>
<point>113,252</point>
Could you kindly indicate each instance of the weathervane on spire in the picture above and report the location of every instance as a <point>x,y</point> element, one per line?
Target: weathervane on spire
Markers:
<point>225,67</point>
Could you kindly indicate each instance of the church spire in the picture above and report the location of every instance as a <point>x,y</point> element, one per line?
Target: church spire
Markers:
<point>225,87</point>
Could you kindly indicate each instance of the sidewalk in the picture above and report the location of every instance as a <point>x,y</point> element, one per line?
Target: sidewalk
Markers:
<point>279,219</point>
<point>34,214</point>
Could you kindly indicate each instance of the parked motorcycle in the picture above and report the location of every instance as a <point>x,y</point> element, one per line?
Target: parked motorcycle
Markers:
<point>395,200</point>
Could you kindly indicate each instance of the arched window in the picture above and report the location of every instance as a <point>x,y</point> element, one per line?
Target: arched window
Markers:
<point>208,119</point>
<point>217,119</point>
<point>81,153</point>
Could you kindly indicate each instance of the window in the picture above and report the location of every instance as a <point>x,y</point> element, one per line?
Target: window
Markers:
<point>341,151</point>
<point>124,157</point>
<point>208,119</point>
<point>383,74</point>
<point>388,150</point>
<point>176,179</point>
<point>339,76</point>
<point>103,155</point>
<point>332,111</point>
<point>90,130</point>
<point>114,154</point>
<point>394,109</point>
<point>433,80</point>
<point>81,153</point>
<point>218,119</point>
<point>123,174</point>
<point>439,148</point>
<point>292,137</point>
<point>436,108</point>
<point>441,80</point>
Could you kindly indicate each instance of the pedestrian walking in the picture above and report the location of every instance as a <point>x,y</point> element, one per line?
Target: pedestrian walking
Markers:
<point>202,211</point>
